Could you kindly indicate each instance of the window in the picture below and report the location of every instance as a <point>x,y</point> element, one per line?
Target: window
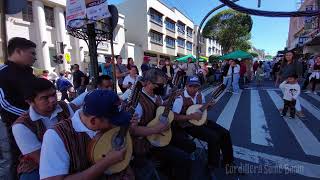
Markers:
<point>181,28</point>
<point>171,42</point>
<point>189,46</point>
<point>181,42</point>
<point>156,37</point>
<point>156,16</point>
<point>27,13</point>
<point>209,50</point>
<point>189,32</point>
<point>170,25</point>
<point>49,15</point>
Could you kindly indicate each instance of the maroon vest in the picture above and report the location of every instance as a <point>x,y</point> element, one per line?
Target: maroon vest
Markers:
<point>26,163</point>
<point>187,102</point>
<point>76,144</point>
<point>141,145</point>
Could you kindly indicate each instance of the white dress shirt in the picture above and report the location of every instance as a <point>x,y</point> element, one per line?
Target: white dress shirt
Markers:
<point>26,140</point>
<point>177,105</point>
<point>54,158</point>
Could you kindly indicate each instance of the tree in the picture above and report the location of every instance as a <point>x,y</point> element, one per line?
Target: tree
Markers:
<point>231,29</point>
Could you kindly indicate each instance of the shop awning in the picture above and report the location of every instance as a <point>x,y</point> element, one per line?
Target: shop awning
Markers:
<point>236,54</point>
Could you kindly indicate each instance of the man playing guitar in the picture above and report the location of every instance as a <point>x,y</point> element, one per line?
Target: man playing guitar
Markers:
<point>44,112</point>
<point>215,135</point>
<point>150,99</point>
<point>64,148</point>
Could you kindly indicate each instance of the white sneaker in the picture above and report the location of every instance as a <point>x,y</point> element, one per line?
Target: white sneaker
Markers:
<point>308,92</point>
<point>315,93</point>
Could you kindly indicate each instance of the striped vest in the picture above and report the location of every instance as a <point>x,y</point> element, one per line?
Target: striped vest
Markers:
<point>76,144</point>
<point>26,164</point>
<point>141,145</point>
<point>187,102</point>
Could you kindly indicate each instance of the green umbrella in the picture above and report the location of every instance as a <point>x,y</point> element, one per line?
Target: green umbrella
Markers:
<point>203,59</point>
<point>185,58</point>
<point>236,54</point>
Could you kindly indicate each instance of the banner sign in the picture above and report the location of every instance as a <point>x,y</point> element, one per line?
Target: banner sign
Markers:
<point>92,10</point>
<point>76,9</point>
<point>308,20</point>
<point>97,9</point>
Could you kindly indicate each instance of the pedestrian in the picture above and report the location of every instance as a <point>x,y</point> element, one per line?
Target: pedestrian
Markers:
<point>310,63</point>
<point>131,78</point>
<point>226,76</point>
<point>63,85</point>
<point>161,63</point>
<point>106,68</point>
<point>121,72</point>
<point>79,80</point>
<point>145,64</point>
<point>233,74</point>
<point>45,74</point>
<point>15,77</point>
<point>189,68</point>
<point>243,71</point>
<point>291,92</point>
<point>315,75</point>
<point>53,76</point>
<point>169,71</point>
<point>130,63</point>
<point>260,74</point>
<point>255,66</point>
<point>275,70</point>
<point>291,66</point>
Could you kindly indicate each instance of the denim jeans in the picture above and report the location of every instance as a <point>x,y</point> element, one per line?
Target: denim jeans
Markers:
<point>227,81</point>
<point>34,175</point>
<point>235,83</point>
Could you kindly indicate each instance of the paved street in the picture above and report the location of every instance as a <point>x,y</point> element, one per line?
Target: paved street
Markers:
<point>266,145</point>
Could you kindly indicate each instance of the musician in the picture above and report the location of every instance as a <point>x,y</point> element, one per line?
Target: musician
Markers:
<point>150,99</point>
<point>216,136</point>
<point>44,112</point>
<point>65,147</point>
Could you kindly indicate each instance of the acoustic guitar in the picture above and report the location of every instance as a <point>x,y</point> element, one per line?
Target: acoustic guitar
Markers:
<point>163,115</point>
<point>203,107</point>
<point>116,138</point>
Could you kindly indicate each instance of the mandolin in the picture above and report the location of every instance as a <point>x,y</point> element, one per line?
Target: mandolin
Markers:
<point>163,115</point>
<point>116,138</point>
<point>203,107</point>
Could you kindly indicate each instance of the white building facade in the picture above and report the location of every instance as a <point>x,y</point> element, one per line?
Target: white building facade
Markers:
<point>43,22</point>
<point>208,47</point>
<point>157,30</point>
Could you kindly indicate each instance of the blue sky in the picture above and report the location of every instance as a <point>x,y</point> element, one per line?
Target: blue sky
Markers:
<point>268,33</point>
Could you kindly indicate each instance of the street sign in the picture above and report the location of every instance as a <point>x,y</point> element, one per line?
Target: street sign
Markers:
<point>97,10</point>
<point>75,13</point>
<point>67,57</point>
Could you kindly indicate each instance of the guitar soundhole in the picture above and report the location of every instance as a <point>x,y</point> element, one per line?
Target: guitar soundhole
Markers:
<point>103,155</point>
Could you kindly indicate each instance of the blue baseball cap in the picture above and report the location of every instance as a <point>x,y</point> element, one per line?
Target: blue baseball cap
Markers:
<point>105,104</point>
<point>193,80</point>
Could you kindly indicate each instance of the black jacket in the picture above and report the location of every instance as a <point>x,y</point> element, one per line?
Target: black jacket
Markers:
<point>14,81</point>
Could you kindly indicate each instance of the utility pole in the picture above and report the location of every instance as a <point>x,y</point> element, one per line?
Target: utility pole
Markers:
<point>3,29</point>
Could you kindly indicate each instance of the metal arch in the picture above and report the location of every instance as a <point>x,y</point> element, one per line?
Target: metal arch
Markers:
<point>201,24</point>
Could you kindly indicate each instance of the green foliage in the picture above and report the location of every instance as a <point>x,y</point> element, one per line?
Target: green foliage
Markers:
<point>268,57</point>
<point>231,29</point>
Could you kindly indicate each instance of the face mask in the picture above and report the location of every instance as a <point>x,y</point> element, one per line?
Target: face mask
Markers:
<point>160,90</point>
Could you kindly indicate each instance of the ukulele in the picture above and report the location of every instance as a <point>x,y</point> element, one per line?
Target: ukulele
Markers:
<point>203,107</point>
<point>163,115</point>
<point>116,138</point>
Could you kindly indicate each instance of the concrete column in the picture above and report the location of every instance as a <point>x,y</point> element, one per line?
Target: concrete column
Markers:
<point>61,30</point>
<point>40,27</point>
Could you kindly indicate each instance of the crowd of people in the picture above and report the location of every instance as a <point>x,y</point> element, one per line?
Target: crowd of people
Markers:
<point>50,138</point>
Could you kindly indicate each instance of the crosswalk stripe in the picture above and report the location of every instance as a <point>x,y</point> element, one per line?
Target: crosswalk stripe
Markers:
<point>316,97</point>
<point>272,164</point>
<point>310,107</point>
<point>308,142</point>
<point>226,117</point>
<point>259,129</point>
